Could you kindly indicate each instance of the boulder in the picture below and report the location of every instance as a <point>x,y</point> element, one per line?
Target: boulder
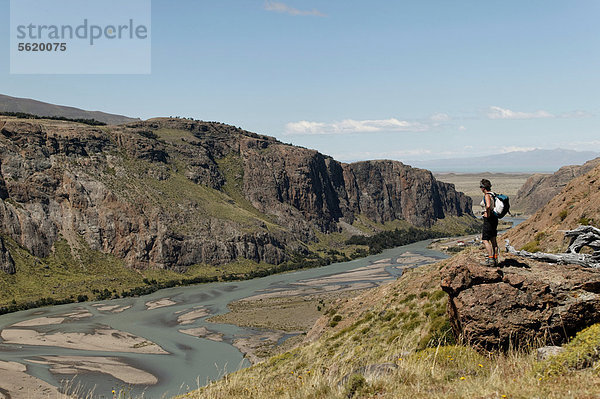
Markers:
<point>547,352</point>
<point>519,302</point>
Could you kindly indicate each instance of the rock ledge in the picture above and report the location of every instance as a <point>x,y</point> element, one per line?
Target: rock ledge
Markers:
<point>518,303</point>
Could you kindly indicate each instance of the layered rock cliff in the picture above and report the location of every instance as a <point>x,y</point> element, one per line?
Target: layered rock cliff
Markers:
<point>170,193</point>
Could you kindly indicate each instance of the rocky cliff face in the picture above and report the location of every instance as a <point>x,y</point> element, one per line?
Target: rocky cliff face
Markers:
<point>539,189</point>
<point>7,264</point>
<point>171,193</point>
<point>519,302</point>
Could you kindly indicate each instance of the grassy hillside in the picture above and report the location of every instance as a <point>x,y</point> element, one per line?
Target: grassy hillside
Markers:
<point>394,342</point>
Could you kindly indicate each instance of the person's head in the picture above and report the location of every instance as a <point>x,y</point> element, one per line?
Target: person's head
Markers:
<point>485,185</point>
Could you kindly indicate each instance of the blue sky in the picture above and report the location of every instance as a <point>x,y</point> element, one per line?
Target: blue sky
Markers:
<point>404,80</point>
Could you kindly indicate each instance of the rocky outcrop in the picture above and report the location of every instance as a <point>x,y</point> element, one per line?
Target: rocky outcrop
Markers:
<point>7,264</point>
<point>519,302</point>
<point>539,188</point>
<point>170,193</point>
<point>293,182</point>
<point>388,190</point>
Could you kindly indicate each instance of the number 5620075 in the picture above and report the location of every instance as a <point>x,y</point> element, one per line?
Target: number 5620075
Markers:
<point>42,47</point>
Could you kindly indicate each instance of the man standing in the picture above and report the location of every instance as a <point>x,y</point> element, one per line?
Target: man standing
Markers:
<point>490,224</point>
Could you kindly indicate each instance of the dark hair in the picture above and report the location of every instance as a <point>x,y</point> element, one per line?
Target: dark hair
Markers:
<point>485,183</point>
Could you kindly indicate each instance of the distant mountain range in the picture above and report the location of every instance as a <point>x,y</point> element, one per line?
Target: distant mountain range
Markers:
<point>516,161</point>
<point>28,106</point>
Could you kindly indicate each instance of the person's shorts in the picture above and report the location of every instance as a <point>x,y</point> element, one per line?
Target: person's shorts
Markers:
<point>490,228</point>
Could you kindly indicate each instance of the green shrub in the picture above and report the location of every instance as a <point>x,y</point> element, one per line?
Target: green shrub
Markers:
<point>453,362</point>
<point>532,246</point>
<point>335,320</point>
<point>563,214</point>
<point>390,239</point>
<point>440,333</point>
<point>437,295</point>
<point>584,221</point>
<point>582,352</point>
<point>356,384</point>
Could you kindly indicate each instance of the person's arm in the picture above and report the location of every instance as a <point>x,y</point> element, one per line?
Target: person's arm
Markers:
<point>489,205</point>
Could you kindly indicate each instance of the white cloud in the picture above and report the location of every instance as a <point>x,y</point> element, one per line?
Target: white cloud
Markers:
<point>354,126</point>
<point>516,149</point>
<point>503,113</point>
<point>591,145</point>
<point>576,114</point>
<point>440,117</point>
<point>283,8</point>
<point>462,128</point>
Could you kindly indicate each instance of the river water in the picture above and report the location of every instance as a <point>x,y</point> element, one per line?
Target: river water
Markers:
<point>191,361</point>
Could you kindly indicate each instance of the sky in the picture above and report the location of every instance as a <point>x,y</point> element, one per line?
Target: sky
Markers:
<point>404,80</point>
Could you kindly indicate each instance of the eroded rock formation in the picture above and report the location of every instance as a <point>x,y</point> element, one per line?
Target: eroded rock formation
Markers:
<point>519,302</point>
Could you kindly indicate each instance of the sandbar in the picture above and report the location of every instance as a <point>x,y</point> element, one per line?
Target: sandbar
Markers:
<point>17,384</point>
<point>106,308</point>
<point>80,314</point>
<point>101,340</point>
<point>107,365</point>
<point>160,303</point>
<point>190,317</point>
<point>40,321</point>
<point>203,332</point>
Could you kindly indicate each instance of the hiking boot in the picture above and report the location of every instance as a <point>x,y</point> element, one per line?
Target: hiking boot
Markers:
<point>488,262</point>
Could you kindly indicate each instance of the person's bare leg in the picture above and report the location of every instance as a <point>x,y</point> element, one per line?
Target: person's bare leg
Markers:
<point>494,245</point>
<point>489,248</point>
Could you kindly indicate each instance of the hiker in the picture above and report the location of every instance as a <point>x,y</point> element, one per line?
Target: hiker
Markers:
<point>490,223</point>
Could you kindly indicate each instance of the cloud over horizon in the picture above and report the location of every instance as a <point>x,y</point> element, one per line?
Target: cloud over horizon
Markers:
<point>504,113</point>
<point>354,126</point>
<point>277,6</point>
